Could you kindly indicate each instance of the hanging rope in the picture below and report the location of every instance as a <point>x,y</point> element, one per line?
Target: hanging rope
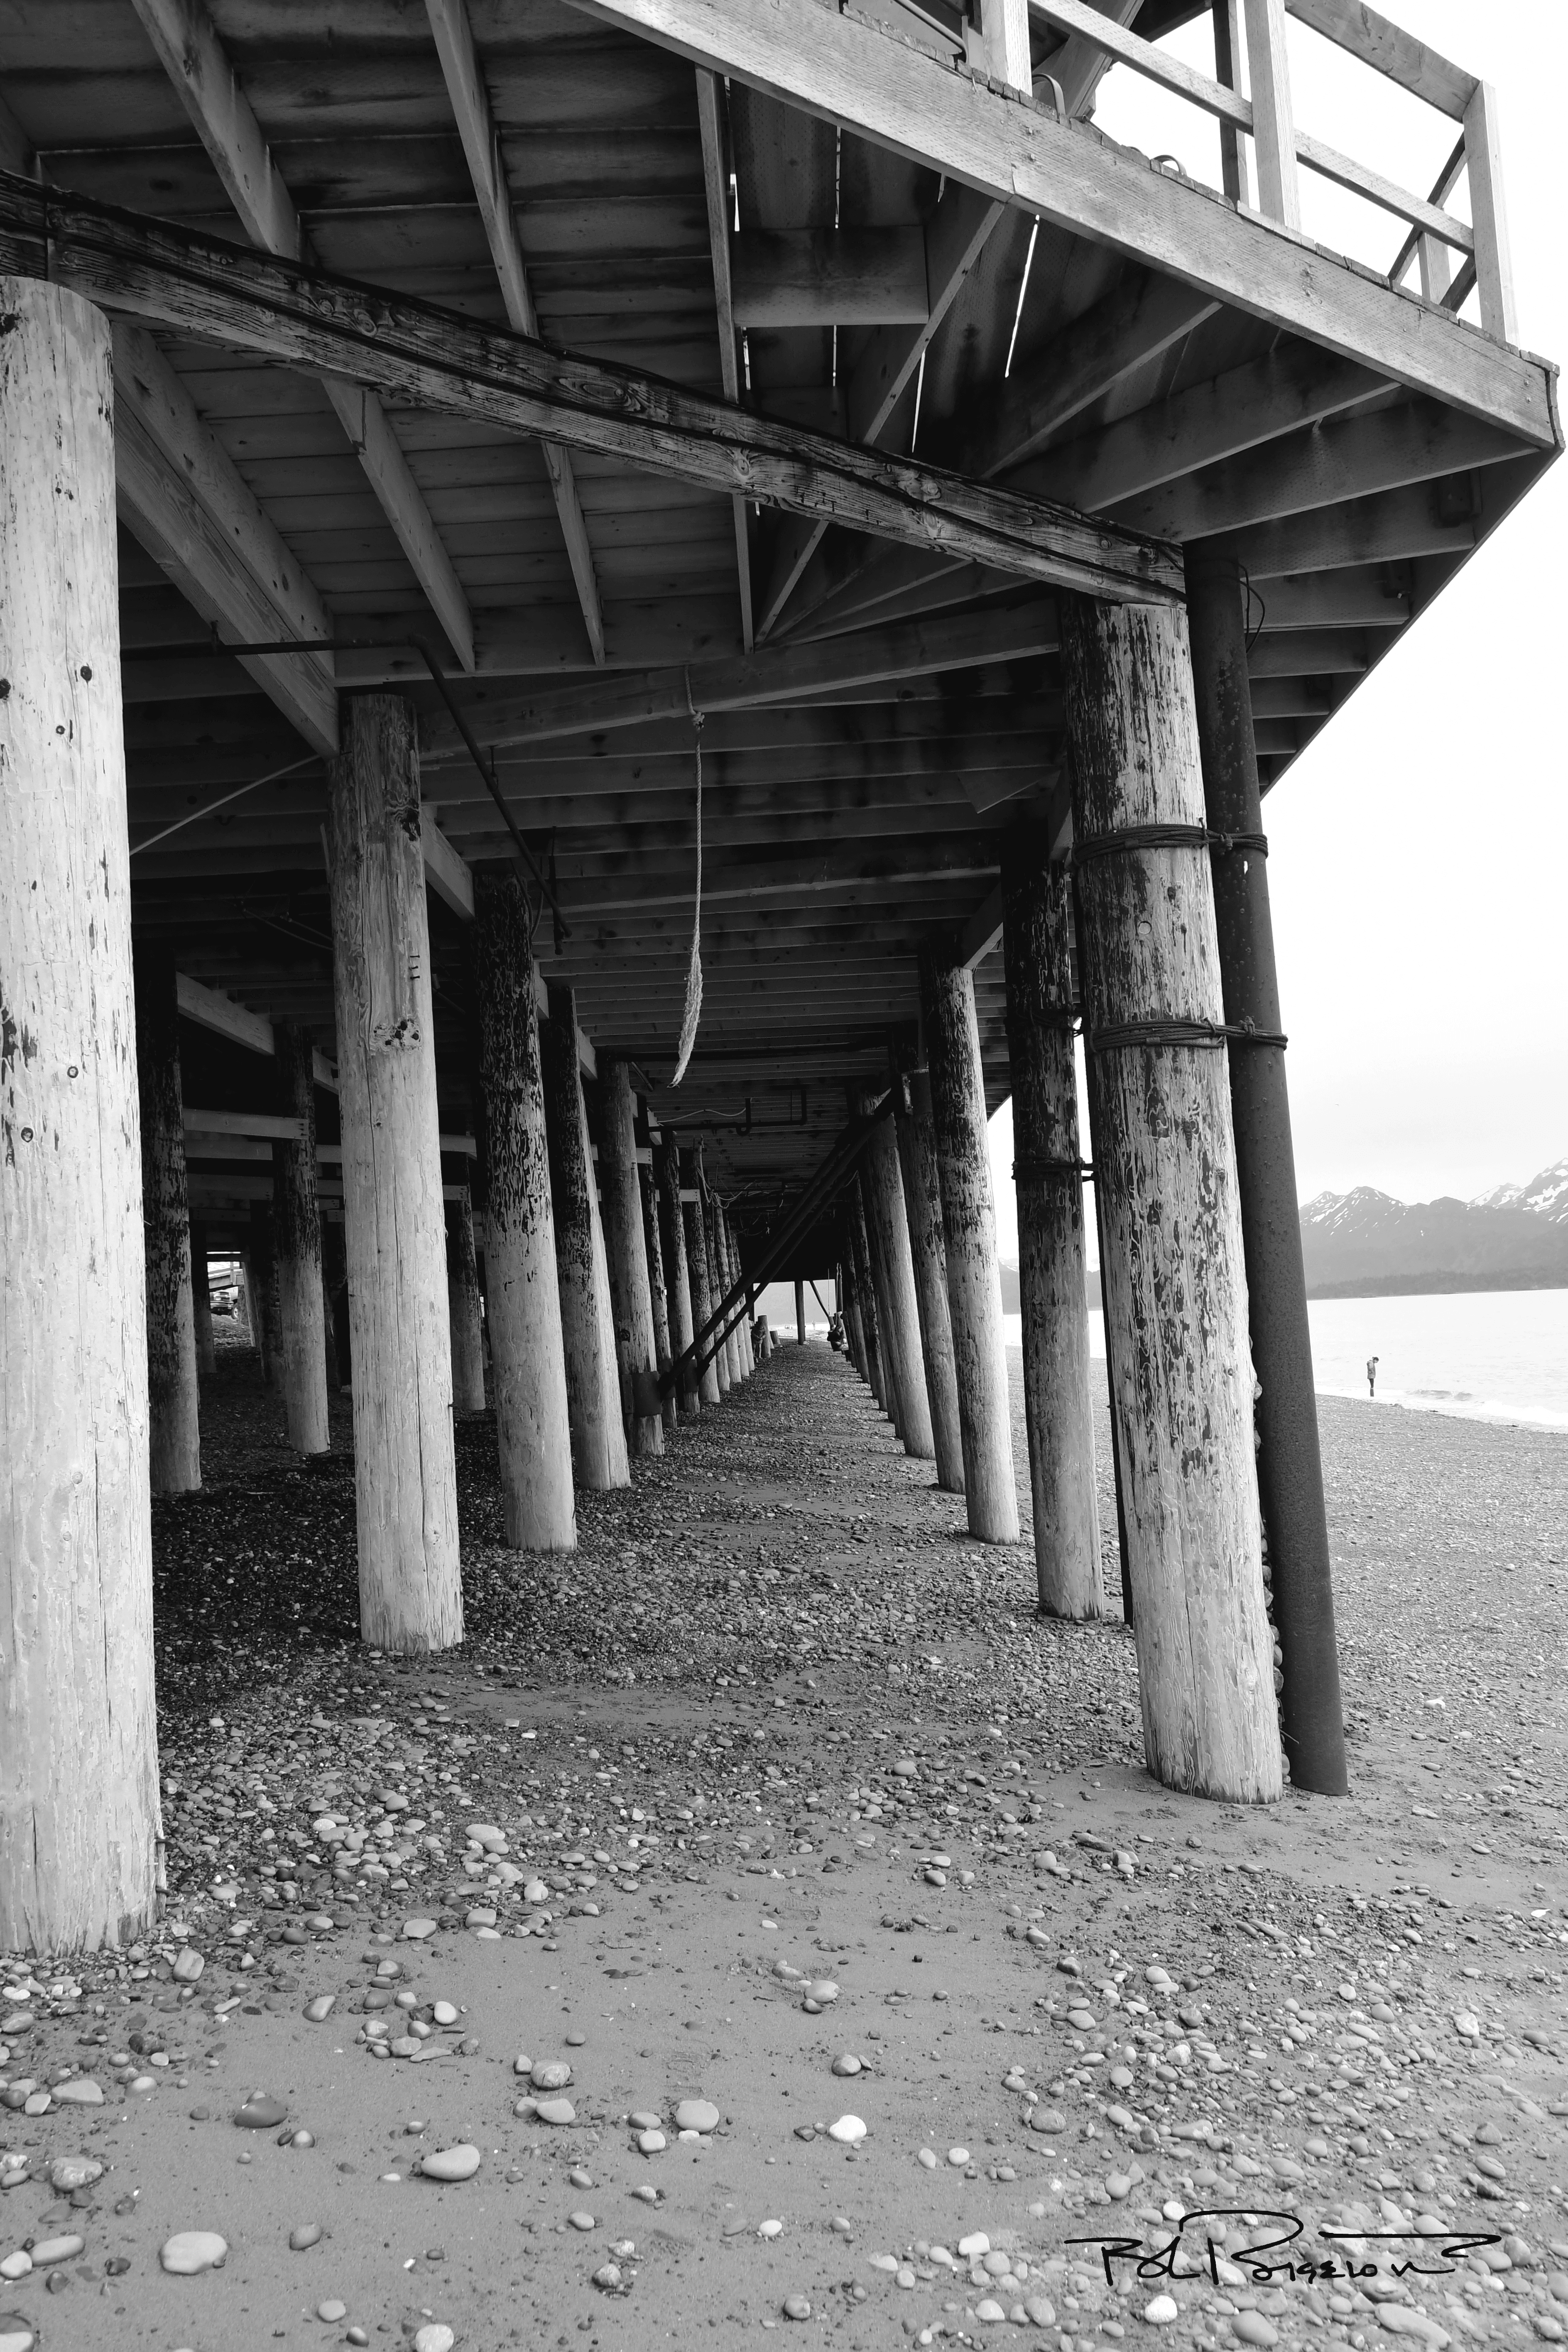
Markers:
<point>693,1011</point>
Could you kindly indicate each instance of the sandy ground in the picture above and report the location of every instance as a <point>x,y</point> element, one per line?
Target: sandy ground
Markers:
<point>779,1726</point>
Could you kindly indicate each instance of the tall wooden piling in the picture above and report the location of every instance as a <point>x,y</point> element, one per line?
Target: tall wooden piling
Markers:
<point>659,1289</point>
<point>464,1315</point>
<point>745,1354</point>
<point>1174,1276</point>
<point>799,1311</point>
<point>297,1249</point>
<point>849,1307</point>
<point>677,1267</point>
<point>701,1271</point>
<point>79,1824</point>
<point>1289,1464</point>
<point>528,1361</point>
<point>411,1596</point>
<point>174,1450</point>
<point>587,1330</point>
<point>875,1370</point>
<point>202,1303</point>
<point>969,1231</point>
<point>927,1257</point>
<point>1052,1260</point>
<point>262,1292</point>
<point>629,1292</point>
<point>888,1222</point>
<point>723,1358</point>
<point>335,1304</point>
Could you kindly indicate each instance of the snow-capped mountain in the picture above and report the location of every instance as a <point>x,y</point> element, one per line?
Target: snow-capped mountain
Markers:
<point>1514,1237</point>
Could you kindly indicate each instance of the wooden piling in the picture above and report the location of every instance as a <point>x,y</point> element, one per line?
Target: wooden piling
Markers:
<point>849,1307</point>
<point>587,1331</point>
<point>1289,1464</point>
<point>464,1318</point>
<point>79,1825</point>
<point>261,1292</point>
<point>335,1304</point>
<point>659,1291</point>
<point>677,1267</point>
<point>1052,1260</point>
<point>1174,1276</point>
<point>723,1358</point>
<point>202,1303</point>
<point>969,1231</point>
<point>297,1252</point>
<point>701,1271</point>
<point>626,1249</point>
<point>175,1453</point>
<point>411,1595</point>
<point>927,1257</point>
<point>888,1223</point>
<point>865,1292</point>
<point>745,1355</point>
<point>528,1364</point>
<point>799,1312</point>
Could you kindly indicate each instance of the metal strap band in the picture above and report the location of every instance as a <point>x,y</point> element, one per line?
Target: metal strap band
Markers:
<point>1042,1171</point>
<point>1180,1033</point>
<point>1166,836</point>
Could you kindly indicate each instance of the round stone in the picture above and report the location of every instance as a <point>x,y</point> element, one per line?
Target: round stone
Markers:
<point>460,2163</point>
<point>260,2114</point>
<point>334,2308</point>
<point>989,2309</point>
<point>928,2157</point>
<point>15,2335</point>
<point>795,2306</point>
<point>1040,2311</point>
<point>1161,2310</point>
<point>958,2156</point>
<point>190,2251</point>
<point>434,2337</point>
<point>581,2221</point>
<point>550,2074</point>
<point>651,2142</point>
<point>416,1930</point>
<point>556,2111</point>
<point>308,2234</point>
<point>318,2010</point>
<point>846,2064</point>
<point>57,2250</point>
<point>1253,2328</point>
<point>443,2013</point>
<point>1047,2119</point>
<point>189,1966</point>
<point>849,2131</point>
<point>696,2114</point>
<point>69,2172</point>
<point>820,1990</point>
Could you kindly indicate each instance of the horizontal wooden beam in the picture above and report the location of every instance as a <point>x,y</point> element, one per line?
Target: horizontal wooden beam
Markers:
<point>829,277</point>
<point>210,1009</point>
<point>439,360</point>
<point>444,872</point>
<point>785,674</point>
<point>849,69</point>
<point>268,1125</point>
<point>1353,26</point>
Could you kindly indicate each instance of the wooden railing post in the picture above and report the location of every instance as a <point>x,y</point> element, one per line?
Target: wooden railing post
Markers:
<point>1004,37</point>
<point>1483,166</point>
<point>1273,123</point>
<point>1233,175</point>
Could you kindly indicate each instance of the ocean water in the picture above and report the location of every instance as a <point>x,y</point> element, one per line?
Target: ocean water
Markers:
<point>1485,1355</point>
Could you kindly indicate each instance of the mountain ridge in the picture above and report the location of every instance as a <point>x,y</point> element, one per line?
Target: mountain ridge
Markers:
<point>1364,1242</point>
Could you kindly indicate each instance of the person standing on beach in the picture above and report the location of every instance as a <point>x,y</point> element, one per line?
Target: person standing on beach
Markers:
<point>1372,1376</point>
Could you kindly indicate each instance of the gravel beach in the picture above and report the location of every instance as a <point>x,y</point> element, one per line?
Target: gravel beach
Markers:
<point>765,1920</point>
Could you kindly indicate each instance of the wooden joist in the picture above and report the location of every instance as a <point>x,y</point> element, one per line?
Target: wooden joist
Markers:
<point>209,1008</point>
<point>853,71</point>
<point>438,360</point>
<point>188,48</point>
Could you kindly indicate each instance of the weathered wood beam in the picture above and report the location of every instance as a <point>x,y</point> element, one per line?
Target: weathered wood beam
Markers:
<point>1353,26</point>
<point>183,497</point>
<point>716,196</point>
<point>444,871</point>
<point>187,46</point>
<point>855,72</point>
<point>209,1008</point>
<point>438,360</point>
<point>830,278</point>
<point>791,672</point>
<point>475,127</point>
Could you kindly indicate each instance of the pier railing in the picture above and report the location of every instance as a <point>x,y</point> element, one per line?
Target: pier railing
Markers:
<point>1452,256</point>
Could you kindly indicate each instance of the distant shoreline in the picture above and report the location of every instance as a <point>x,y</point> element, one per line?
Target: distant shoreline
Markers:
<point>1426,1286</point>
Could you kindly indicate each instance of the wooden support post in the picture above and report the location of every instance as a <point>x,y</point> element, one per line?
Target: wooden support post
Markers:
<point>1091,1104</point>
<point>629,1293</point>
<point>1273,118</point>
<point>888,1226</point>
<point>799,1312</point>
<point>261,1272</point>
<point>297,1245</point>
<point>677,1266</point>
<point>587,1328</point>
<point>202,1303</point>
<point>463,1315</point>
<point>411,1595</point>
<point>745,1355</point>
<point>659,1291</point>
<point>335,1305</point>
<point>527,1361</point>
<point>175,1452</point>
<point>1483,169</point>
<point>928,1256</point>
<point>245,1307</point>
<point>1052,1260</point>
<point>723,1361</point>
<point>79,1826</point>
<point>849,1307</point>
<point>886,1344</point>
<point>875,1372</point>
<point>700,1272</point>
<point>1289,1464</point>
<point>969,1230</point>
<point>1173,1277</point>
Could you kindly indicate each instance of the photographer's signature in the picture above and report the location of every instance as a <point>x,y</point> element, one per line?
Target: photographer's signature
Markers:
<point>1258,2263</point>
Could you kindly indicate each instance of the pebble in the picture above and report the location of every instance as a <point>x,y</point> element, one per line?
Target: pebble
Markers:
<point>928,2156</point>
<point>555,2111</point>
<point>81,2090</point>
<point>651,2141</point>
<point>189,1965</point>
<point>582,2220</point>
<point>958,2156</point>
<point>770,2229</point>
<point>331,2309</point>
<point>536,1891</point>
<point>849,2131</point>
<point>1161,2310</point>
<point>15,2335</point>
<point>819,1992</point>
<point>417,1929</point>
<point>460,2163</point>
<point>846,2064</point>
<point>260,2114</point>
<point>445,2013</point>
<point>190,2251</point>
<point>795,2306</point>
<point>550,2074</point>
<point>434,2337</point>
<point>308,2234</point>
<point>1400,2320</point>
<point>69,2172</point>
<point>1253,2328</point>
<point>696,2114</point>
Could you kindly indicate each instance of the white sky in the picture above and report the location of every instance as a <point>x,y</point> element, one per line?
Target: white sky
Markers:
<point>1419,850</point>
